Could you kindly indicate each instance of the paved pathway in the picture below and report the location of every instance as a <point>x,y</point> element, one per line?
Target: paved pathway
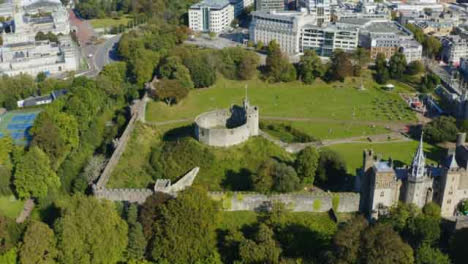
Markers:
<point>375,139</point>
<point>27,209</point>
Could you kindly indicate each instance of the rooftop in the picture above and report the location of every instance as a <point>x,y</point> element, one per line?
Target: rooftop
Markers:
<point>213,4</point>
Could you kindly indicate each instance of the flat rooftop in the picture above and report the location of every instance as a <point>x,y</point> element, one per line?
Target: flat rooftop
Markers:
<point>213,4</point>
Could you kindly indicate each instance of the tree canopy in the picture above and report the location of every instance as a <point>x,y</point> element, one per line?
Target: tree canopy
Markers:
<point>187,224</point>
<point>33,175</point>
<point>90,231</point>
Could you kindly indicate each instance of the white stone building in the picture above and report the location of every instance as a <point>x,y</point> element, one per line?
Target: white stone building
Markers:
<point>283,27</point>
<point>411,49</point>
<point>324,40</point>
<point>454,48</point>
<point>39,56</point>
<point>319,8</point>
<point>211,16</point>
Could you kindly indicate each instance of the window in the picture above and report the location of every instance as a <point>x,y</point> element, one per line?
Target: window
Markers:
<point>449,201</point>
<point>382,194</point>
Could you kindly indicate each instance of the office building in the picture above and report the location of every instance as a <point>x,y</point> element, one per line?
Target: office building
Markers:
<point>324,40</point>
<point>269,5</point>
<point>211,16</point>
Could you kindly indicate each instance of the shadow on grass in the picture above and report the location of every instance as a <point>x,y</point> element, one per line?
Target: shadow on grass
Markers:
<point>238,180</point>
<point>179,132</point>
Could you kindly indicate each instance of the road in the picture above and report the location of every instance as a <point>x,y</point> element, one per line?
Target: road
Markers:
<point>105,53</point>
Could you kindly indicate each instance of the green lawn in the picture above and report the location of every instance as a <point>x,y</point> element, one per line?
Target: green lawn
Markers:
<point>332,130</point>
<point>335,101</point>
<point>318,222</point>
<point>10,206</point>
<point>400,152</point>
<point>230,170</point>
<point>109,22</point>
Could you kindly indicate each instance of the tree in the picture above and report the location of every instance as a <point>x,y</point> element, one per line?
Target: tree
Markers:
<point>424,230</point>
<point>170,91</point>
<point>306,164</point>
<point>247,67</point>
<point>381,245</point>
<point>432,210</point>
<point>202,70</point>
<point>400,215</point>
<point>259,46</point>
<point>361,57</point>
<point>136,239</point>
<point>441,129</point>
<point>310,67</point>
<point>150,211</point>
<point>427,255</point>
<point>263,179</point>
<point>56,133</point>
<point>382,74</point>
<point>33,175</point>
<point>415,67</point>
<point>286,179</point>
<point>331,170</point>
<point>38,245</point>
<point>263,249</point>
<point>172,68</point>
<point>432,46</point>
<point>429,82</point>
<point>187,224</point>
<point>397,65</point>
<point>346,241</point>
<point>90,231</point>
<point>341,66</point>
<point>417,33</point>
<point>278,68</point>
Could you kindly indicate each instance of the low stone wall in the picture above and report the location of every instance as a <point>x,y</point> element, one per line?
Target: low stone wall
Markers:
<point>127,195</point>
<point>296,202</point>
<point>137,111</point>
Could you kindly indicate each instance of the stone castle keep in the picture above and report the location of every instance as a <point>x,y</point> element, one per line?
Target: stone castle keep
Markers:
<point>383,185</point>
<point>227,127</point>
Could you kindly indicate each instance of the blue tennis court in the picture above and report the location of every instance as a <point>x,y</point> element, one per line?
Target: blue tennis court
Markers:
<point>16,124</point>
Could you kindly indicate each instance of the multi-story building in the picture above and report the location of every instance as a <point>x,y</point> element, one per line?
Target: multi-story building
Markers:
<point>240,5</point>
<point>411,49</point>
<point>283,27</point>
<point>453,48</point>
<point>381,36</point>
<point>318,8</point>
<point>434,28</point>
<point>324,40</point>
<point>211,16</point>
<point>383,185</point>
<point>268,5</point>
<point>39,56</point>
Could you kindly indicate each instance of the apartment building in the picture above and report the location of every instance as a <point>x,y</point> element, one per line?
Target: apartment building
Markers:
<point>269,5</point>
<point>454,48</point>
<point>324,40</point>
<point>319,8</point>
<point>283,27</point>
<point>411,49</point>
<point>211,16</point>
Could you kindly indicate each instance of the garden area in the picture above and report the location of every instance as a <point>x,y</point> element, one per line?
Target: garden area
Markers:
<point>109,22</point>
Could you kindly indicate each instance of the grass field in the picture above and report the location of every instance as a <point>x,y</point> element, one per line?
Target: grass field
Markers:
<point>110,22</point>
<point>332,130</point>
<point>335,101</point>
<point>319,222</point>
<point>400,152</point>
<point>230,170</point>
<point>10,206</point>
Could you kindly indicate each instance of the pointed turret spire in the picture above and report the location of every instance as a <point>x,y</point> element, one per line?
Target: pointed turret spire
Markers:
<point>419,161</point>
